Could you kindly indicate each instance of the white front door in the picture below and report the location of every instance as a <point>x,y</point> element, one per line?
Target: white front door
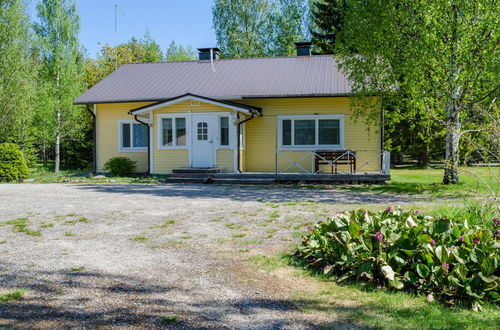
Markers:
<point>203,134</point>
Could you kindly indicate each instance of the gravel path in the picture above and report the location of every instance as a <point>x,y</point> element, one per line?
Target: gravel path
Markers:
<point>176,256</point>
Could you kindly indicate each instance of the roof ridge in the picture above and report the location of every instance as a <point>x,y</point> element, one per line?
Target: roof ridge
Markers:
<point>232,59</point>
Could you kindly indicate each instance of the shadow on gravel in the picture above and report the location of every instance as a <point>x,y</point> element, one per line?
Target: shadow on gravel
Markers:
<point>66,299</point>
<point>246,193</point>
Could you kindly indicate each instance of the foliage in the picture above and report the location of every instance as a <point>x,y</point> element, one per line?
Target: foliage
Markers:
<point>135,50</point>
<point>12,164</point>
<point>256,28</point>
<point>176,53</point>
<point>17,71</point>
<point>120,166</point>
<point>434,59</point>
<point>449,260</point>
<point>326,23</point>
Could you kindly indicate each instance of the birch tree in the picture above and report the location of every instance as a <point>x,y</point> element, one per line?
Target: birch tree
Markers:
<point>61,63</point>
<point>443,54</point>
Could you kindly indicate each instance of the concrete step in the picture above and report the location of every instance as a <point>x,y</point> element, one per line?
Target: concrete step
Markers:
<point>217,180</point>
<point>175,179</point>
<point>197,170</point>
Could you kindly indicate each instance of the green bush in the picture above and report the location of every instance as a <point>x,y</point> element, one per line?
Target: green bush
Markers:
<point>120,166</point>
<point>12,163</point>
<point>447,260</point>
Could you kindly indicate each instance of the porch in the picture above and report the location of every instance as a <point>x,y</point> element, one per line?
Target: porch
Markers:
<point>326,167</point>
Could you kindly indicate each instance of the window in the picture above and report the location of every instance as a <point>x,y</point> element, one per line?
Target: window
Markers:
<point>202,131</point>
<point>172,132</point>
<point>311,132</point>
<point>224,131</point>
<point>133,136</point>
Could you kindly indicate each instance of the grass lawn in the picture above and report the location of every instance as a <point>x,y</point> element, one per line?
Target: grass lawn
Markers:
<point>42,175</point>
<point>474,181</point>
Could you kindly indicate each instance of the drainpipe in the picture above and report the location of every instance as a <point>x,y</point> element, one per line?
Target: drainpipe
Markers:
<point>382,124</point>
<point>238,141</point>
<point>149,142</point>
<point>94,151</point>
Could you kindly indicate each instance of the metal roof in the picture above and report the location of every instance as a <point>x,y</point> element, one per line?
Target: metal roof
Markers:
<point>227,79</point>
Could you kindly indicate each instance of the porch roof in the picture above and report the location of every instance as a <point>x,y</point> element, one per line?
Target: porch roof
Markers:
<point>244,108</point>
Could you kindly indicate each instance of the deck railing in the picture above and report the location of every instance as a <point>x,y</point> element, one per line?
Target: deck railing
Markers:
<point>332,161</point>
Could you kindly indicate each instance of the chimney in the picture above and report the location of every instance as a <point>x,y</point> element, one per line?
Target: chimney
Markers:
<point>303,48</point>
<point>204,53</point>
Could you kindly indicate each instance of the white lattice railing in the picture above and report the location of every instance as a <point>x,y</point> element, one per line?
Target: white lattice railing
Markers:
<point>332,161</point>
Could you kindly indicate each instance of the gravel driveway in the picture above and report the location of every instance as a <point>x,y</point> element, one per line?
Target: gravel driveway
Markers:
<point>156,255</point>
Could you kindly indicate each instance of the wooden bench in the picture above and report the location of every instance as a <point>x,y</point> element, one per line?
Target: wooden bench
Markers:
<point>335,158</point>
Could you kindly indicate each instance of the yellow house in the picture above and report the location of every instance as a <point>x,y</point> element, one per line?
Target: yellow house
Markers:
<point>284,117</point>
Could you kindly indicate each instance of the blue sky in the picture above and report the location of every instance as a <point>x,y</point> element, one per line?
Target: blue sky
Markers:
<point>188,22</point>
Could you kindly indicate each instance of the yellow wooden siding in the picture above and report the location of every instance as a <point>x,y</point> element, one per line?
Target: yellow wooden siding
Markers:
<point>225,160</point>
<point>194,107</point>
<point>166,160</point>
<point>261,132</point>
<point>107,130</point>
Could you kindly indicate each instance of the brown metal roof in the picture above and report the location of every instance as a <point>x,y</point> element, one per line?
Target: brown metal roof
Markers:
<point>227,79</point>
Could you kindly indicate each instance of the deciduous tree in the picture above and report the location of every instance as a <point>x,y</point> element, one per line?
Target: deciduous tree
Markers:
<point>442,54</point>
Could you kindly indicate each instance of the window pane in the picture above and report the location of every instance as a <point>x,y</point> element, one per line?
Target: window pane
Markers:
<point>167,136</point>
<point>180,127</point>
<point>125,135</point>
<point>304,132</point>
<point>224,131</point>
<point>287,132</point>
<point>140,136</point>
<point>329,132</point>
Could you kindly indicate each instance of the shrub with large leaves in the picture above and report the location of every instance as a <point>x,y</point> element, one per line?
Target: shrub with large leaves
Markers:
<point>448,260</point>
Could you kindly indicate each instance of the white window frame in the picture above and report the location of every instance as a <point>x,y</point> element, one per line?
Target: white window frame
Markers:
<point>230,132</point>
<point>315,146</point>
<point>159,133</point>
<point>120,137</point>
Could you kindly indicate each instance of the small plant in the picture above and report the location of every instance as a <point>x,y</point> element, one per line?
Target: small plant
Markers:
<point>69,234</point>
<point>448,260</point>
<point>3,242</point>
<point>14,295</point>
<point>120,166</point>
<point>169,319</point>
<point>21,225</point>
<point>241,235</point>
<point>12,163</point>
<point>77,269</point>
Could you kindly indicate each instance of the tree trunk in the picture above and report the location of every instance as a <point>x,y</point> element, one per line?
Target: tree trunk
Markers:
<point>423,157</point>
<point>57,159</point>
<point>452,143</point>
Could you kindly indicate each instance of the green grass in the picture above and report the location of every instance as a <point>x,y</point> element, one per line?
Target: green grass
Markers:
<point>266,263</point>
<point>69,234</point>
<point>13,295</point>
<point>77,269</point>
<point>44,175</point>
<point>168,319</point>
<point>20,225</point>
<point>474,181</point>
<point>139,239</point>
<point>241,235</point>
<point>3,242</point>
